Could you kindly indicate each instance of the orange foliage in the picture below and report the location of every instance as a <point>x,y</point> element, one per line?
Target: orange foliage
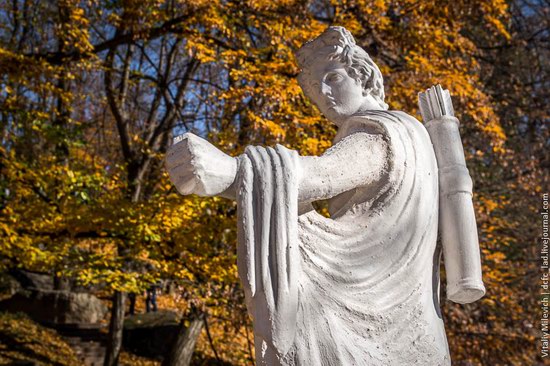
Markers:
<point>66,180</point>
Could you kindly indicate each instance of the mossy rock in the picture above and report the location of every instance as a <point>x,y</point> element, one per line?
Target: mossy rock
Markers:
<point>151,334</point>
<point>152,319</point>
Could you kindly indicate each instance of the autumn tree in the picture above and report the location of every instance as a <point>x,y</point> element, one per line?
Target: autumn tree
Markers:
<point>92,93</point>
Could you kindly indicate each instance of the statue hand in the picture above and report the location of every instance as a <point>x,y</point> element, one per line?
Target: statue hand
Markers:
<point>196,166</point>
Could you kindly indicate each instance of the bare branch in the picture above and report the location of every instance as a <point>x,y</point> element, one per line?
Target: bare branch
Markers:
<point>121,122</point>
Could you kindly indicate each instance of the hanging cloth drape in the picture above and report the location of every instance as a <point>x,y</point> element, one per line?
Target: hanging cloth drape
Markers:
<point>359,288</point>
<point>268,254</point>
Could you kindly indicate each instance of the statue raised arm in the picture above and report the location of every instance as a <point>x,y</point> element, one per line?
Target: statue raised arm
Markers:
<point>360,287</point>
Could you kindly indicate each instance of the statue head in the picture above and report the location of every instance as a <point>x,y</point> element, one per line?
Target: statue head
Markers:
<point>339,76</point>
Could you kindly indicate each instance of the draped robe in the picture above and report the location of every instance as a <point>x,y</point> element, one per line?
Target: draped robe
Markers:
<point>360,287</point>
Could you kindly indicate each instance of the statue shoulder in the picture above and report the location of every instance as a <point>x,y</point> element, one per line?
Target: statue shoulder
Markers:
<point>381,122</point>
<point>361,123</point>
<point>405,116</point>
<point>376,120</point>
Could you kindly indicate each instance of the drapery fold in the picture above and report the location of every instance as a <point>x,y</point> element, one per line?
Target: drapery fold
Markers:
<point>359,288</point>
<point>268,254</point>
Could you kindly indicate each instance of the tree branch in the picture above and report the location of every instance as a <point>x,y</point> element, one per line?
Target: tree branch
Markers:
<point>121,122</point>
<point>58,58</point>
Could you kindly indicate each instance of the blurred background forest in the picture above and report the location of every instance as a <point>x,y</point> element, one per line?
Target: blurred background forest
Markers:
<point>92,93</point>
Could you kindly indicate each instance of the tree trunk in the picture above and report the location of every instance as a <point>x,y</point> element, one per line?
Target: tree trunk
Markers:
<point>114,343</point>
<point>183,348</point>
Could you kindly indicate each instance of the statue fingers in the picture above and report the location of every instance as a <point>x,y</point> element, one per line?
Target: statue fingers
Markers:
<point>178,154</point>
<point>182,175</point>
<point>181,168</point>
<point>186,187</point>
<point>186,180</point>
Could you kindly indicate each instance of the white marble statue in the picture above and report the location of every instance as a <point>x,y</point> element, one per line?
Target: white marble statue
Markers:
<point>360,287</point>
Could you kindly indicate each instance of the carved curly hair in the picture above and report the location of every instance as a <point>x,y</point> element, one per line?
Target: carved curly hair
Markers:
<point>337,43</point>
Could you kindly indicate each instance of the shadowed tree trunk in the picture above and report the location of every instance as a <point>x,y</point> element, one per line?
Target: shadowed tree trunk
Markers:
<point>116,326</point>
<point>143,135</point>
<point>183,348</point>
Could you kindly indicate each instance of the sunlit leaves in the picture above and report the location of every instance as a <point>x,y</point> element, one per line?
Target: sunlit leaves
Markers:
<point>69,211</point>
<point>24,341</point>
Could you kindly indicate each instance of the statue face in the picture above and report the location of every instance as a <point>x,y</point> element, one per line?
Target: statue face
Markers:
<point>335,93</point>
